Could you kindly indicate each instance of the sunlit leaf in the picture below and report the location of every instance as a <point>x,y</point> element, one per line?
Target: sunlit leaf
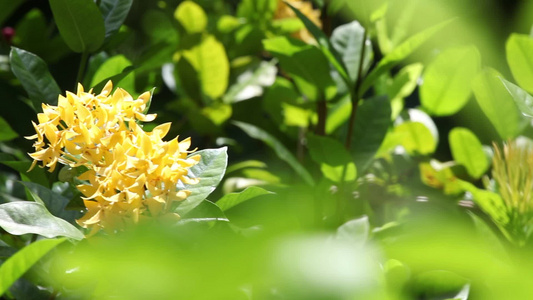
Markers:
<point>234,199</point>
<point>191,16</point>
<point>519,50</point>
<point>335,161</point>
<point>80,23</point>
<point>23,217</point>
<point>210,171</point>
<point>112,67</point>
<point>447,80</point>
<point>523,100</point>
<point>251,83</point>
<point>468,151</point>
<point>278,147</point>
<point>18,264</point>
<point>34,76</point>
<point>497,104</point>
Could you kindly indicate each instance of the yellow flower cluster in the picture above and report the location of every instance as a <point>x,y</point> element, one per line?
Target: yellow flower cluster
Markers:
<point>131,174</point>
<point>283,11</point>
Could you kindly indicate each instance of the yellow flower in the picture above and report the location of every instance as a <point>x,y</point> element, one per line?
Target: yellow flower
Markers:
<point>283,11</point>
<point>131,174</point>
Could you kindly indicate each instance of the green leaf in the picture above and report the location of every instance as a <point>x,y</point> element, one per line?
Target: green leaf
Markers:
<point>234,199</point>
<point>519,50</point>
<point>468,151</point>
<point>335,161</point>
<point>210,171</point>
<point>371,125</point>
<point>18,264</point>
<point>80,23</point>
<point>34,76</point>
<point>191,16</point>
<point>37,175</point>
<point>6,132</point>
<point>112,67</point>
<point>23,217</point>
<point>415,137</point>
<point>400,53</point>
<point>347,39</point>
<point>7,8</point>
<point>278,148</point>
<point>307,66</point>
<point>523,100</point>
<point>497,104</point>
<point>114,13</point>
<point>324,44</point>
<point>209,59</point>
<point>206,210</point>
<point>403,85</point>
<point>447,80</point>
<point>491,203</point>
<point>338,114</point>
<point>115,78</point>
<point>54,202</point>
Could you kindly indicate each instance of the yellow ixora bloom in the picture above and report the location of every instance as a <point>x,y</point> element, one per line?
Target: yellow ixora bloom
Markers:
<point>283,11</point>
<point>131,174</point>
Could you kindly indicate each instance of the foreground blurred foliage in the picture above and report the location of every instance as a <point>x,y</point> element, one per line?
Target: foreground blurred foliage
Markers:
<point>347,149</point>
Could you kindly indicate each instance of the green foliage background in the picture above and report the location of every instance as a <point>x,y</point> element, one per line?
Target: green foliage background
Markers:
<point>354,165</point>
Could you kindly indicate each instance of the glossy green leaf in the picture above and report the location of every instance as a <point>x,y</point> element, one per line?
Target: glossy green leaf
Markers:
<point>519,50</point>
<point>53,201</point>
<point>233,199</point>
<point>468,151</point>
<point>278,147</point>
<point>18,264</point>
<point>210,171</point>
<point>497,104</point>
<point>347,39</point>
<point>114,13</point>
<point>112,67</point>
<point>523,100</point>
<point>405,82</point>
<point>324,44</point>
<point>209,59</point>
<point>371,125</point>
<point>34,76</point>
<point>335,161</point>
<point>23,217</point>
<point>447,80</point>
<point>80,23</point>
<point>206,210</point>
<point>6,132</point>
<point>400,53</point>
<point>191,16</point>
<point>307,66</point>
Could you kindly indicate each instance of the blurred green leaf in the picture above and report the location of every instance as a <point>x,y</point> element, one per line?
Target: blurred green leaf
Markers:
<point>35,78</point>
<point>415,137</point>
<point>18,264</point>
<point>245,164</point>
<point>191,16</point>
<point>114,13</point>
<point>403,85</point>
<point>114,66</point>
<point>338,114</point>
<point>491,203</point>
<point>334,160</point>
<point>206,210</point>
<point>468,151</point>
<point>210,171</point>
<point>439,283</point>
<point>400,53</point>
<point>306,64</point>
<point>250,84</point>
<point>158,25</point>
<point>23,217</point>
<point>37,175</point>
<point>6,132</point>
<point>209,59</point>
<point>371,126</point>
<point>523,100</point>
<point>115,78</point>
<point>447,80</point>
<point>324,44</point>
<point>347,39</point>
<point>519,50</point>
<point>278,147</point>
<point>234,199</point>
<point>497,104</point>
<point>357,230</point>
<point>217,112</point>
<point>7,8</point>
<point>80,23</point>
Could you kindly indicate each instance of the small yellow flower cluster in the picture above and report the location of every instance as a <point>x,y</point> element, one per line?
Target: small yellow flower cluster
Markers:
<point>283,11</point>
<point>131,174</point>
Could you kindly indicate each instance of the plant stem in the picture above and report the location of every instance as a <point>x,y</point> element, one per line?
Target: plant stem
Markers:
<point>355,93</point>
<point>322,110</point>
<point>81,69</point>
